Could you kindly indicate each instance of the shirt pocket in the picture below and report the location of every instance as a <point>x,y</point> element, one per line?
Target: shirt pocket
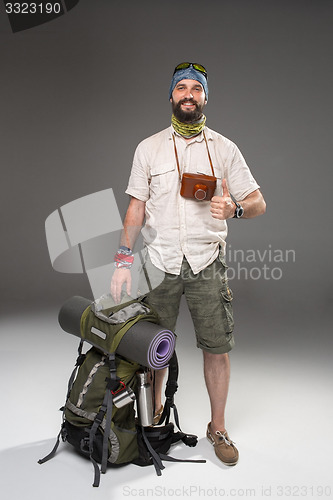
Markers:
<point>162,176</point>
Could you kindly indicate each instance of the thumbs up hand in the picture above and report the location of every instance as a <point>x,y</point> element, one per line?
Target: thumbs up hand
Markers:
<point>222,207</point>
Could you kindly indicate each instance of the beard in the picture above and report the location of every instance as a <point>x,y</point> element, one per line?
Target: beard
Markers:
<point>187,116</point>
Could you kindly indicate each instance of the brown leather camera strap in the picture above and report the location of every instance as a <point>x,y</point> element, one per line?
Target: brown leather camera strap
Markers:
<point>176,155</point>
<point>177,160</point>
<point>210,160</point>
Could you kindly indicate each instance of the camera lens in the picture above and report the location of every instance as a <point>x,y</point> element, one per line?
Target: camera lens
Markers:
<point>200,192</point>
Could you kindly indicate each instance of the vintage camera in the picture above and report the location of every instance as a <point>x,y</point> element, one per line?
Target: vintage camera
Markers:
<point>198,186</point>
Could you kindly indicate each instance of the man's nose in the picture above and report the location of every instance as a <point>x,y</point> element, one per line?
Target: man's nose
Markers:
<point>189,94</point>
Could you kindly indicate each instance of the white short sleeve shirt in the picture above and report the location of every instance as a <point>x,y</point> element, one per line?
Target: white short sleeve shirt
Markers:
<point>175,226</point>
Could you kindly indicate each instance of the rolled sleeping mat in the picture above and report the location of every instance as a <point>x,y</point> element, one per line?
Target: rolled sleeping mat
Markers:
<point>145,342</point>
<point>69,316</point>
<point>148,344</point>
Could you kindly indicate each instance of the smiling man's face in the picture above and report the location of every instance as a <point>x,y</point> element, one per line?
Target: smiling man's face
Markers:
<point>188,100</point>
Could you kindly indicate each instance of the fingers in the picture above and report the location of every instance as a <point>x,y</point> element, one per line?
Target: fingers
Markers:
<point>129,284</point>
<point>119,278</point>
<point>114,290</point>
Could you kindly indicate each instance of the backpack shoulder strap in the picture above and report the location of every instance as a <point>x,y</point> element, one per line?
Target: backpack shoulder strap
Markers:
<point>170,391</point>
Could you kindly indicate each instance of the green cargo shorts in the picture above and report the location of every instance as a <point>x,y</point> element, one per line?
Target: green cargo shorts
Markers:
<point>208,298</point>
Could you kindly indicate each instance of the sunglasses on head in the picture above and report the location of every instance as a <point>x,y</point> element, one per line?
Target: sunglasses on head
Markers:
<point>195,66</point>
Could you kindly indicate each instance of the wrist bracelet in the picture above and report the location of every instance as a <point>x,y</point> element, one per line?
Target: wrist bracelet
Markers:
<point>124,258</point>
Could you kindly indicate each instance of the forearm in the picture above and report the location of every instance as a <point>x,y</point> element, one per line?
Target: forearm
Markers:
<point>223,207</point>
<point>254,205</point>
<point>133,223</point>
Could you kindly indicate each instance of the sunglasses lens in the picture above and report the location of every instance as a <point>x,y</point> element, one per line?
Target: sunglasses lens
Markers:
<point>196,66</point>
<point>182,66</point>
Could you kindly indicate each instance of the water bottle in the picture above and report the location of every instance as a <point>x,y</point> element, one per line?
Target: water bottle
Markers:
<point>144,400</point>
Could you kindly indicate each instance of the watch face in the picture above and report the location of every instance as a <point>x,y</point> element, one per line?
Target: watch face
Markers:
<point>239,211</point>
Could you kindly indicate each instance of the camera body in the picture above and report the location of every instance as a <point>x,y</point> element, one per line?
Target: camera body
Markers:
<point>201,187</point>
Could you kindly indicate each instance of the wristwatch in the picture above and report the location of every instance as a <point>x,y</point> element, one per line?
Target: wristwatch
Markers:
<point>239,210</point>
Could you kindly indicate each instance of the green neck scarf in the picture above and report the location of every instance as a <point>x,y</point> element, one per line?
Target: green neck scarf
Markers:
<point>188,130</point>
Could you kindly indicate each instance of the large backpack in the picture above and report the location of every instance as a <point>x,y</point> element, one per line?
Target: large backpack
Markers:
<point>91,422</point>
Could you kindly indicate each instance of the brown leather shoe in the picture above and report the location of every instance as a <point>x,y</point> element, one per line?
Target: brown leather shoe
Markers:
<point>225,449</point>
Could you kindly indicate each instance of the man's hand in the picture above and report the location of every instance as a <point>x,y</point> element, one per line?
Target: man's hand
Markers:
<point>222,207</point>
<point>120,276</point>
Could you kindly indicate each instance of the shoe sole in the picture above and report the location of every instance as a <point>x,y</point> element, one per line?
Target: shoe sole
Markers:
<point>211,441</point>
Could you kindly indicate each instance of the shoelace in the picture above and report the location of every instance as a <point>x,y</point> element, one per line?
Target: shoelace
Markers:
<point>222,436</point>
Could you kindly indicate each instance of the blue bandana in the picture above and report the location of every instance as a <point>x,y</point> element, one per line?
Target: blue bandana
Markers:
<point>188,74</point>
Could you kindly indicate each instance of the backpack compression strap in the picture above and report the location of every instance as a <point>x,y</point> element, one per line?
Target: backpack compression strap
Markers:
<point>105,410</point>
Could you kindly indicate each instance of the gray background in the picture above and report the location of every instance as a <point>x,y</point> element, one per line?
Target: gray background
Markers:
<point>79,93</point>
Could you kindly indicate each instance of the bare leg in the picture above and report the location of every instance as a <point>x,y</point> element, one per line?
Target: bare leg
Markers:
<point>159,377</point>
<point>217,376</point>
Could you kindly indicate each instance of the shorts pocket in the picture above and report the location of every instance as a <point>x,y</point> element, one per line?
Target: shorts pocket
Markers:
<point>228,317</point>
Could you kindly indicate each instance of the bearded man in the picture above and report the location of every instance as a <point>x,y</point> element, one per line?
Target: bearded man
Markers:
<point>185,234</point>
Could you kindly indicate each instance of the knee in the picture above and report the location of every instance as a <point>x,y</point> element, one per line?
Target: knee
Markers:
<point>213,357</point>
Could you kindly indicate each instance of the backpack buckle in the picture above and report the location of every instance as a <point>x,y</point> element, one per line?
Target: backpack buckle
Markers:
<point>122,387</point>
